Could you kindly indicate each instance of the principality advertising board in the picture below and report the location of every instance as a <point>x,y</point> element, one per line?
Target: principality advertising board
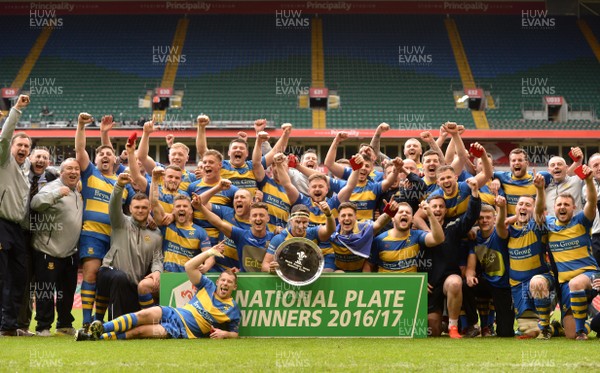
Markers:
<point>336,305</point>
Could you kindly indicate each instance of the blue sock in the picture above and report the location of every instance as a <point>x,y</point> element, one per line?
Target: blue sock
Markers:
<point>88,293</point>
<point>579,308</point>
<point>145,300</point>
<point>121,323</point>
<point>542,306</point>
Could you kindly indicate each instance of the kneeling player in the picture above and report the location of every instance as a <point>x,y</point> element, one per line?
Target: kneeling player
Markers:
<point>212,299</point>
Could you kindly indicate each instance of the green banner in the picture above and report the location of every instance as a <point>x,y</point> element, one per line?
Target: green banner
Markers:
<point>336,305</point>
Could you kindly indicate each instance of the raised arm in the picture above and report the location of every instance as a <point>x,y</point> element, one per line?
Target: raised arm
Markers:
<point>106,124</point>
<point>201,145</point>
<point>578,154</point>
<point>257,167</point>
<point>589,210</point>
<point>81,154</point>
<point>115,205</point>
<point>390,210</point>
<point>284,178</point>
<point>205,197</point>
<point>540,199</point>
<point>280,145</point>
<point>136,176</point>
<point>458,164</point>
<point>325,231</point>
<point>192,266</point>
<point>9,127</point>
<point>212,218</point>
<point>143,148</point>
<point>427,137</point>
<point>346,191</point>
<point>392,176</point>
<point>157,209</point>
<point>488,170</point>
<point>376,141</point>
<point>441,138</point>
<point>501,229</point>
<point>436,236</point>
<point>335,168</point>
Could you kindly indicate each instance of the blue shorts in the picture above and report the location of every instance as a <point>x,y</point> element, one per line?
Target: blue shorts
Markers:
<point>172,323</point>
<point>565,295</point>
<point>522,296</point>
<point>92,247</point>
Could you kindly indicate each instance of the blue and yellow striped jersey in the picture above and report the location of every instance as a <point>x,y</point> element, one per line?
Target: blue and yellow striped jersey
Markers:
<point>316,216</point>
<point>514,188</point>
<point>312,234</point>
<point>206,310</point>
<point>397,254</point>
<point>485,193</point>
<point>230,254</point>
<point>166,198</point>
<point>526,247</point>
<point>492,254</point>
<point>457,203</point>
<point>364,196</point>
<point>224,198</point>
<point>250,248</point>
<point>430,188</point>
<point>242,177</point>
<point>96,190</point>
<point>571,246</point>
<point>180,244</point>
<point>186,178</point>
<point>277,201</point>
<point>345,259</point>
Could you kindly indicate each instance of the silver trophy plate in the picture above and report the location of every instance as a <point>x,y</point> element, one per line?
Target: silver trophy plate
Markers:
<point>300,261</point>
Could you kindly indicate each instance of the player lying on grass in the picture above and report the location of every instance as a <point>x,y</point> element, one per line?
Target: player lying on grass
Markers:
<point>212,312</point>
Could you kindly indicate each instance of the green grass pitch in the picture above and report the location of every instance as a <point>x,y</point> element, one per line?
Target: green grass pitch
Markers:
<point>59,354</point>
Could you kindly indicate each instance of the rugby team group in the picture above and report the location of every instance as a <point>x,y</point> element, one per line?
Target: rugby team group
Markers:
<point>497,246</point>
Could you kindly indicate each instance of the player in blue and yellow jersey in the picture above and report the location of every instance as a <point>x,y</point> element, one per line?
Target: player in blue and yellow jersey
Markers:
<point>179,155</point>
<point>298,227</point>
<point>457,193</point>
<point>274,195</point>
<point>351,241</point>
<point>250,245</point>
<point>397,250</point>
<point>488,192</point>
<point>342,172</point>
<point>318,189</point>
<point>211,313</point>
<point>212,189</point>
<point>238,216</point>
<point>531,283</point>
<point>238,168</point>
<point>570,244</point>
<point>169,185</point>
<point>517,182</point>
<point>491,251</point>
<point>431,162</point>
<point>367,192</point>
<point>182,239</point>
<point>97,180</point>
